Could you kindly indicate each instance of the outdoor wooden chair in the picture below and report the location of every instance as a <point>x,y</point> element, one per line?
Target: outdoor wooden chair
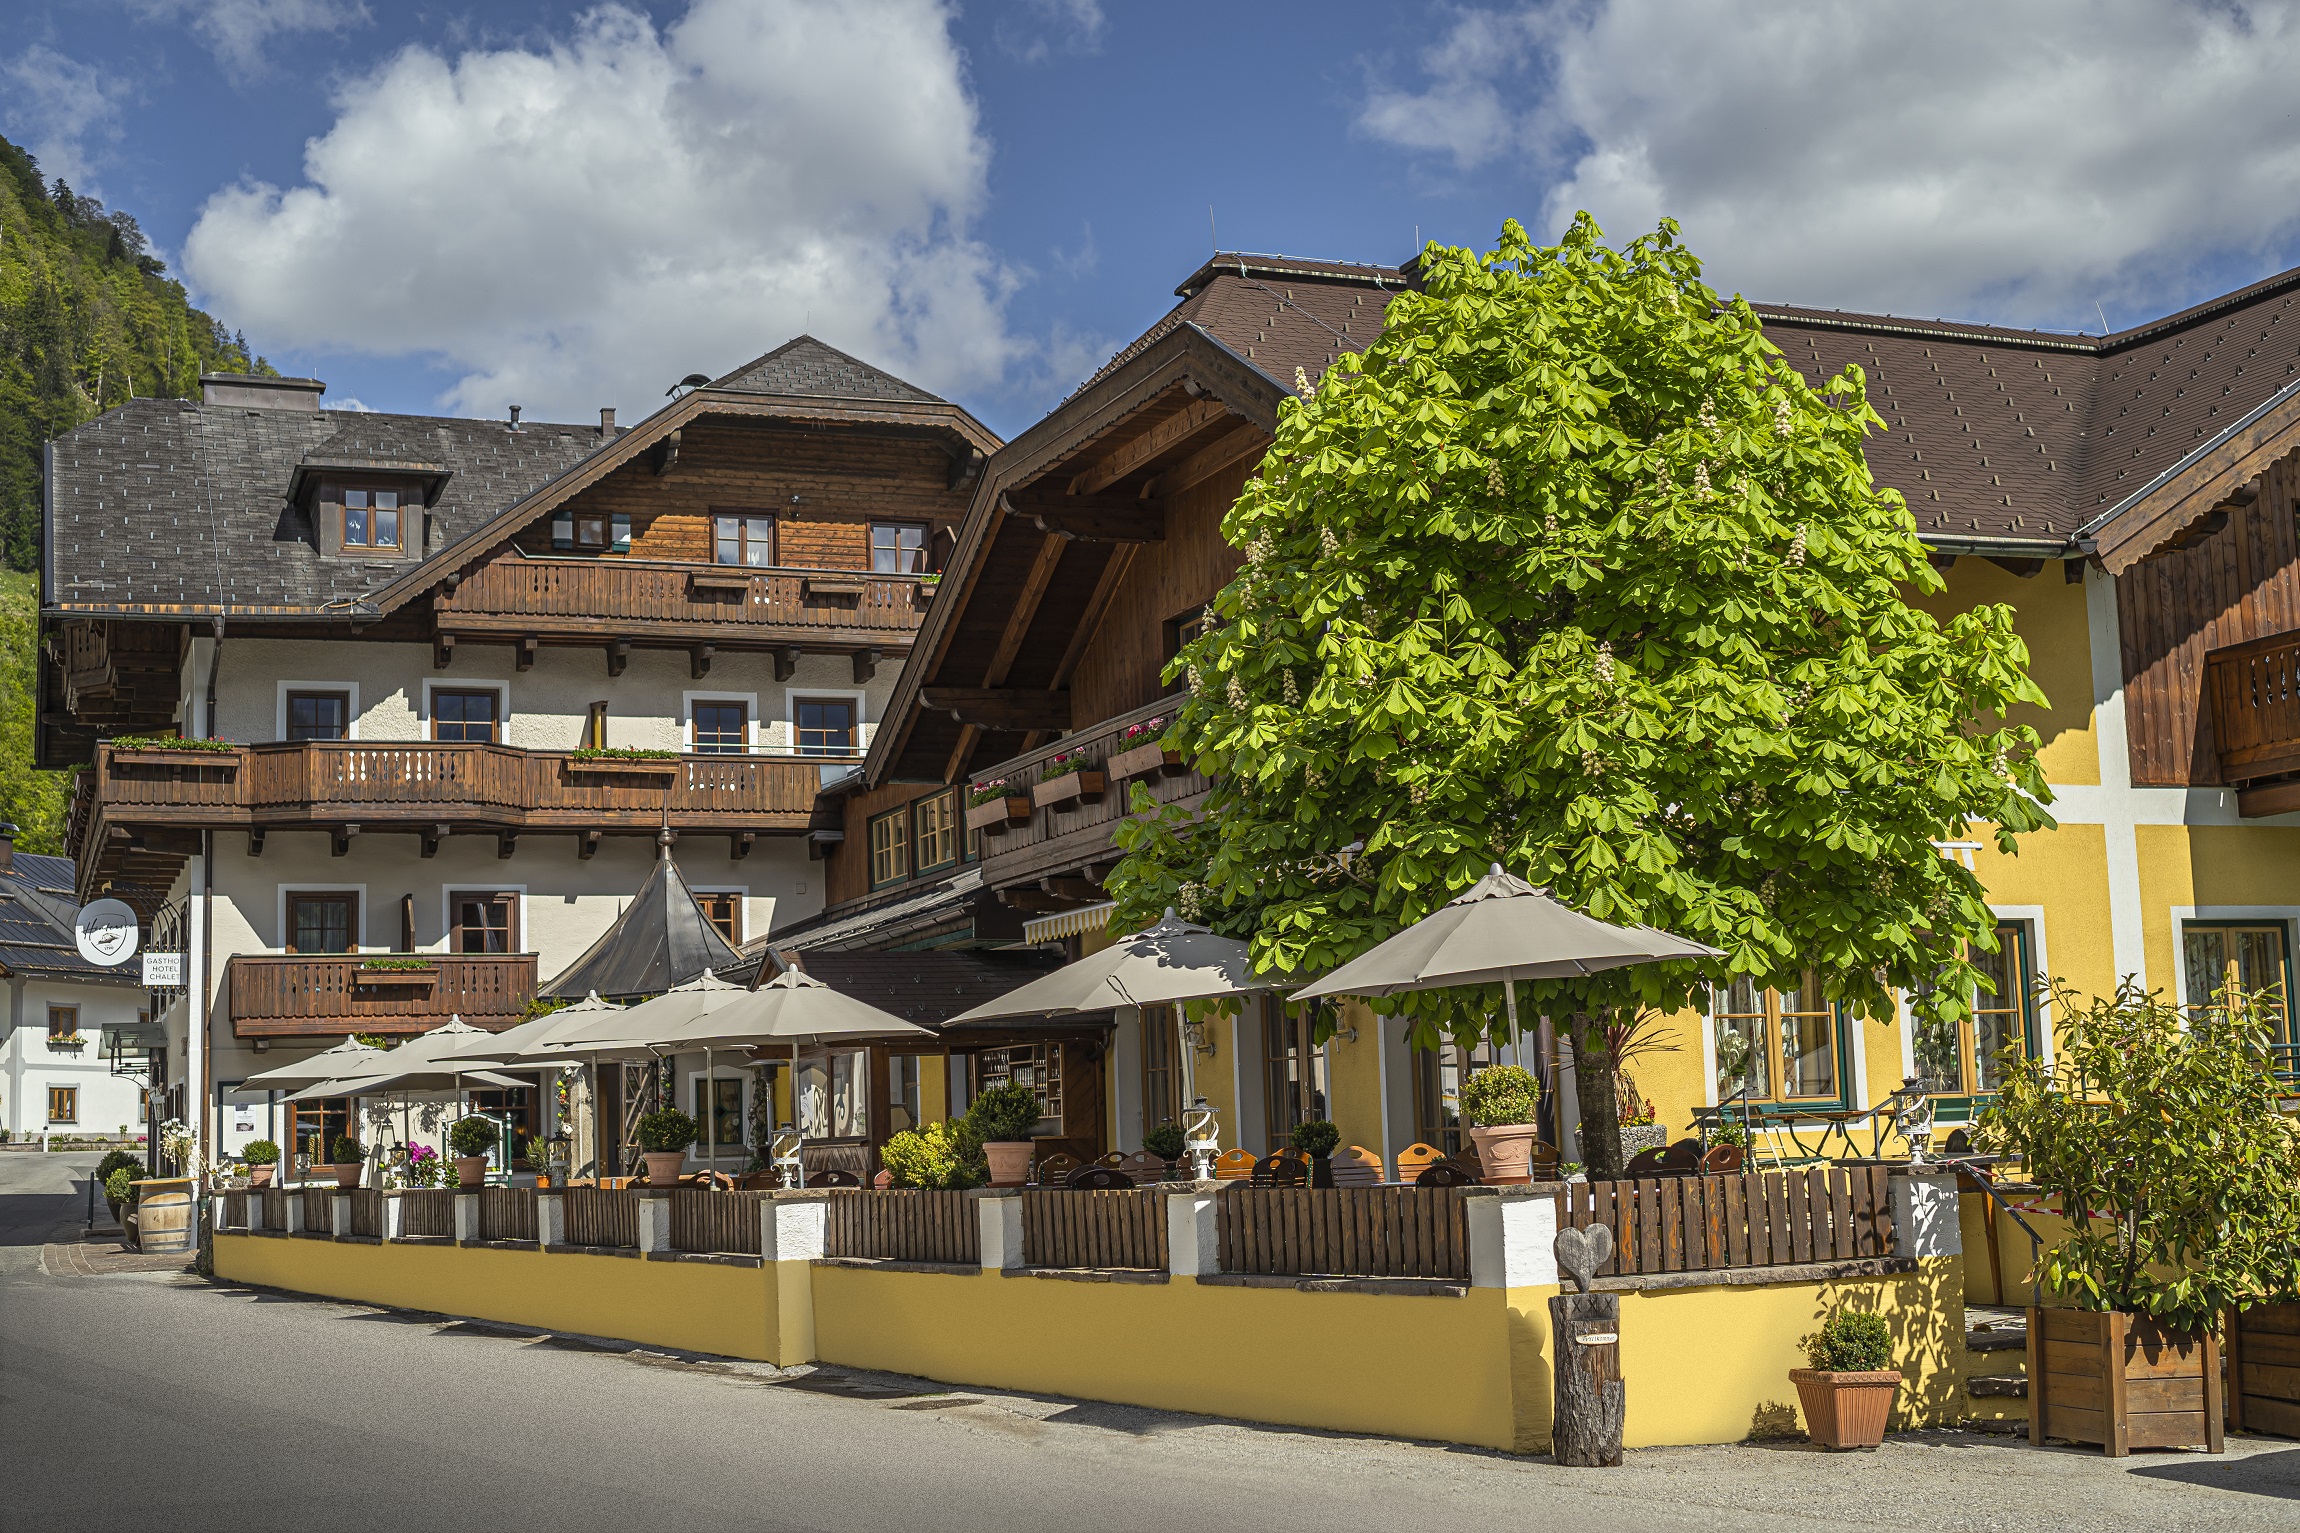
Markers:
<point>1114,1159</point>
<point>1098,1178</point>
<point>1357,1166</point>
<point>1234,1166</point>
<point>1723,1160</point>
<point>1143,1167</point>
<point>1416,1158</point>
<point>1541,1162</point>
<point>833,1176</point>
<point>1054,1170</point>
<point>1445,1173</point>
<point>1645,1163</point>
<point>1285,1168</point>
<point>883,1179</point>
<point>755,1181</point>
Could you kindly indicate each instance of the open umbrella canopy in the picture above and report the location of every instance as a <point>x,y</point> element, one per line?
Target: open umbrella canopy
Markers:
<point>525,1044</point>
<point>650,1026</point>
<point>421,1078</point>
<point>327,1064</point>
<point>790,1008</point>
<point>421,1050</point>
<point>1171,960</point>
<point>1501,929</point>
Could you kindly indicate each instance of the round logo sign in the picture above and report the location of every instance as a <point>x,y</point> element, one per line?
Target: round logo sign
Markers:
<point>107,933</point>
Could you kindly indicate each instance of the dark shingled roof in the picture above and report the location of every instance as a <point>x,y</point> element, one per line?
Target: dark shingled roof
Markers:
<point>170,504</point>
<point>1278,312</point>
<point>2028,434</point>
<point>805,366</point>
<point>36,913</point>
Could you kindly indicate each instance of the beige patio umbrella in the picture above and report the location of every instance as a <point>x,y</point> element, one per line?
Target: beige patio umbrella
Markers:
<point>791,1008</point>
<point>527,1045</point>
<point>1167,962</point>
<point>327,1064</point>
<point>354,1074</point>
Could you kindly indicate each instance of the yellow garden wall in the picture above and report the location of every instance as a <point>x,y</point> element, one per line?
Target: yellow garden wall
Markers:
<point>698,1306</point>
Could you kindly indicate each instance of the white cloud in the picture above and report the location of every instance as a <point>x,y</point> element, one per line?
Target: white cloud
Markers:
<point>348,403</point>
<point>2024,160</point>
<point>237,30</point>
<point>1040,29</point>
<point>54,105</point>
<point>578,224</point>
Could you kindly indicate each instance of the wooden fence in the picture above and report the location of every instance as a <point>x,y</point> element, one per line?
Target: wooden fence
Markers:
<point>236,1210</point>
<point>903,1225</point>
<point>1416,1232</point>
<point>507,1213</point>
<point>319,1209</point>
<point>367,1211</point>
<point>427,1213</point>
<point>706,1219</point>
<point>602,1216</point>
<point>1762,1219</point>
<point>275,1208</point>
<point>1111,1228</point>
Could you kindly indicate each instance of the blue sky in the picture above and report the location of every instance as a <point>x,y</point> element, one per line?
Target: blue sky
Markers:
<point>453,208</point>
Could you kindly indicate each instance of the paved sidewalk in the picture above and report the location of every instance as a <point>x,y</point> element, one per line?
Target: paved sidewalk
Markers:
<point>102,1254</point>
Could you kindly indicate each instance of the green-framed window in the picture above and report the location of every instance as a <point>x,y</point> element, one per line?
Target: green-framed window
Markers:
<point>890,847</point>
<point>935,831</point>
<point>2248,955</point>
<point>1966,1058</point>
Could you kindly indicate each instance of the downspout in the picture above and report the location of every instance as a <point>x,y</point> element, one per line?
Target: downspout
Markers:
<point>16,1054</point>
<point>205,1070</point>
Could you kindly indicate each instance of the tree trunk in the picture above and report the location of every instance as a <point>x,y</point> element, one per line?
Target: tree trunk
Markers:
<point>1585,1431</point>
<point>1594,1091</point>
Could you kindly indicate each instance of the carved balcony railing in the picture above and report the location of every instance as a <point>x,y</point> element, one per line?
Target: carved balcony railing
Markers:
<point>286,995</point>
<point>2253,690</point>
<point>729,605</point>
<point>1066,834</point>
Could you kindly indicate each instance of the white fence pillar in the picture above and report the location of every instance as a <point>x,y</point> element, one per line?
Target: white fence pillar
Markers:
<point>550,1216</point>
<point>1925,1213</point>
<point>394,1216</point>
<point>466,1216</point>
<point>1192,1233</point>
<point>1001,1214</point>
<point>654,1222</point>
<point>1512,1237</point>
<point>339,1210</point>
<point>292,1206</point>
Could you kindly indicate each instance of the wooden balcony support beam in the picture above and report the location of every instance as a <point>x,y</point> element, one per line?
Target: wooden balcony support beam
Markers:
<point>1009,708</point>
<point>255,840</point>
<point>739,845</point>
<point>1093,518</point>
<point>527,648</point>
<point>618,656</point>
<point>339,841</point>
<point>442,651</point>
<point>1152,444</point>
<point>865,665</point>
<point>787,662</point>
<point>431,836</point>
<point>587,845</point>
<point>506,843</point>
<point>699,661</point>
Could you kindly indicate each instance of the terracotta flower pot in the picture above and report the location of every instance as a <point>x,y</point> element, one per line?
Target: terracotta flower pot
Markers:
<point>347,1172</point>
<point>1846,1410</point>
<point>1506,1150</point>
<point>260,1176</point>
<point>1009,1161</point>
<point>664,1166</point>
<point>470,1170</point>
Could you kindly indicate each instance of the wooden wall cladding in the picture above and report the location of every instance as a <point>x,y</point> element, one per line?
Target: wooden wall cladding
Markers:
<point>2239,584</point>
<point>846,870</point>
<point>1119,671</point>
<point>843,480</point>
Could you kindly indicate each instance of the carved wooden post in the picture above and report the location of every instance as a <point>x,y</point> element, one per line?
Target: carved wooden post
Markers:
<point>1585,1327</point>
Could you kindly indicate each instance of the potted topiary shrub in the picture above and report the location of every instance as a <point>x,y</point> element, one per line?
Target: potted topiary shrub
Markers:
<point>663,1138</point>
<point>119,1189</point>
<point>1317,1139</point>
<point>347,1157</point>
<point>1847,1392</point>
<point>1167,1142</point>
<point>1502,1104</point>
<point>263,1158</point>
<point>2158,1129</point>
<point>1003,1119</point>
<point>471,1138</point>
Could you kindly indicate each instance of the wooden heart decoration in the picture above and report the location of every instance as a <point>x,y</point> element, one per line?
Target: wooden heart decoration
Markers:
<point>1581,1252</point>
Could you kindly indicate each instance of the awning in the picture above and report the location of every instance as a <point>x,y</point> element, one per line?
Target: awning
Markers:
<point>1068,923</point>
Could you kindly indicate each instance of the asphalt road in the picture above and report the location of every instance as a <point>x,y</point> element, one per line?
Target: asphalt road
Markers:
<point>149,1400</point>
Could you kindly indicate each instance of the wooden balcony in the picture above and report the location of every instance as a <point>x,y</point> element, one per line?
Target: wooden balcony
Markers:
<point>2253,690</point>
<point>732,607</point>
<point>135,814</point>
<point>309,995</point>
<point>1062,839</point>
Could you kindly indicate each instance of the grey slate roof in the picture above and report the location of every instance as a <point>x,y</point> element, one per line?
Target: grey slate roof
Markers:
<point>36,912</point>
<point>804,365</point>
<point>165,503</point>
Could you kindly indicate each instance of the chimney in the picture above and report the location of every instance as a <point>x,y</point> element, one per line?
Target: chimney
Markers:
<point>515,417</point>
<point>253,393</point>
<point>606,423</point>
<point>7,847</point>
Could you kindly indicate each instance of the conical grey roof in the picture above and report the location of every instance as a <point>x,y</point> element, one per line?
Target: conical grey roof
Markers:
<point>663,939</point>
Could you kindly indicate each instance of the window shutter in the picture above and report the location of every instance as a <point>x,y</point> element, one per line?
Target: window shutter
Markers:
<point>562,530</point>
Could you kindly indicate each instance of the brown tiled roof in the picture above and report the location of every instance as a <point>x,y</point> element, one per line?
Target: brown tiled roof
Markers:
<point>1278,312</point>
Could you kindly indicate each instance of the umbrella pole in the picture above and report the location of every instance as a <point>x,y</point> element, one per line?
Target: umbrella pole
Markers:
<point>1509,993</point>
<point>798,1116</point>
<point>710,1120</point>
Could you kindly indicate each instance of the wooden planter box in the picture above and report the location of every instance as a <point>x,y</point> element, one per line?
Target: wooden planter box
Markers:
<point>627,766</point>
<point>834,585</point>
<point>367,978</point>
<point>2123,1381</point>
<point>716,586</point>
<point>153,756</point>
<point>1143,760</point>
<point>1070,788</point>
<point>994,817</point>
<point>2264,1370</point>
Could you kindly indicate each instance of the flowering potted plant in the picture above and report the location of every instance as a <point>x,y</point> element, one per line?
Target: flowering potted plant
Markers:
<point>1502,1103</point>
<point>1143,754</point>
<point>1071,777</point>
<point>347,1157</point>
<point>663,1139</point>
<point>263,1158</point>
<point>994,805</point>
<point>1847,1392</point>
<point>1004,1119</point>
<point>471,1139</point>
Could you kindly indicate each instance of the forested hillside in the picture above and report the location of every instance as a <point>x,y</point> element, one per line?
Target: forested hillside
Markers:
<point>89,319</point>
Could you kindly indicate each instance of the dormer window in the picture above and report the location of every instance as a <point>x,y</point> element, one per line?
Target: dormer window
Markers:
<point>371,520</point>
